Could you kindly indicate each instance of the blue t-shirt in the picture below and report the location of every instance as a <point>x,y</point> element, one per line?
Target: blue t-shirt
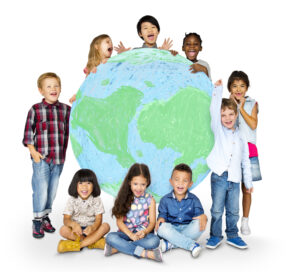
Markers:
<point>179,212</point>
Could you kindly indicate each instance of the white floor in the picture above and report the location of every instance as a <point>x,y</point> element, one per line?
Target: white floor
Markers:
<point>259,37</point>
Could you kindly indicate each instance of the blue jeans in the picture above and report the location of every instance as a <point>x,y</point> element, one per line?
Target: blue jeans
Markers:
<point>224,194</point>
<point>44,185</point>
<point>120,241</point>
<point>183,236</point>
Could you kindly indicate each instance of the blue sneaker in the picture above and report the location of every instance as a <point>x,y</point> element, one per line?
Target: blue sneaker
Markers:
<point>165,245</point>
<point>237,242</point>
<point>213,242</point>
<point>196,250</point>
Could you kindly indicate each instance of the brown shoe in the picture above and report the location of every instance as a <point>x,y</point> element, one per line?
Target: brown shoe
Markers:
<point>68,245</point>
<point>98,244</point>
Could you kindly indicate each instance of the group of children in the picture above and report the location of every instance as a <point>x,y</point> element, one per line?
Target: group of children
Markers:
<point>181,219</point>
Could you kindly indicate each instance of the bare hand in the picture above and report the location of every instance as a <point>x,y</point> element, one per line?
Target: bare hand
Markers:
<point>141,234</point>
<point>134,237</point>
<point>249,191</point>
<point>121,48</point>
<point>167,44</point>
<point>37,157</point>
<point>160,220</point>
<point>72,99</point>
<point>242,102</point>
<point>218,83</point>
<point>88,230</point>
<point>202,220</point>
<point>76,228</point>
<point>173,52</point>
<point>233,98</point>
<point>196,67</point>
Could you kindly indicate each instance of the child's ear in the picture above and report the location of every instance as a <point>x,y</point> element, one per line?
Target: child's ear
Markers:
<point>200,49</point>
<point>191,183</point>
<point>40,90</point>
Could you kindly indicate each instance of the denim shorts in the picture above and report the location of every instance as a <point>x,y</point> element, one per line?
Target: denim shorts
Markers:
<point>255,169</point>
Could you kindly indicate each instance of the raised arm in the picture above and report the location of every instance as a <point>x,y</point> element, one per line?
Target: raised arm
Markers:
<point>215,106</point>
<point>251,120</point>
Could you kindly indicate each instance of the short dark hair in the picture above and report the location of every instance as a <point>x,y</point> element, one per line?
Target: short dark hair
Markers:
<point>184,168</point>
<point>192,34</point>
<point>230,104</point>
<point>81,176</point>
<point>238,75</point>
<point>147,19</point>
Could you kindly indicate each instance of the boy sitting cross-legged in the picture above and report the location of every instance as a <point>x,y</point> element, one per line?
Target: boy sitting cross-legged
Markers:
<point>181,218</point>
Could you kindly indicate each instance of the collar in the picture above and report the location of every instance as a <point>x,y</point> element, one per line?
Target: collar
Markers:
<point>172,195</point>
<point>146,46</point>
<point>56,104</point>
<point>88,201</point>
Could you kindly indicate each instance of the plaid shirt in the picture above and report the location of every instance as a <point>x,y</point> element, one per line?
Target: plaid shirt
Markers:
<point>47,129</point>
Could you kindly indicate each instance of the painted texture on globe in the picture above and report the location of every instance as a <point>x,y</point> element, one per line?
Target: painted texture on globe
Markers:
<point>142,106</point>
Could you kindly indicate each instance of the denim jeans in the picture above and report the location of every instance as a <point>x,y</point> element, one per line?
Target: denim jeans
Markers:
<point>44,185</point>
<point>120,241</point>
<point>224,194</point>
<point>183,236</point>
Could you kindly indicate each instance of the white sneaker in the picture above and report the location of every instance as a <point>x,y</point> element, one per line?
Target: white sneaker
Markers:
<point>165,245</point>
<point>196,250</point>
<point>245,230</point>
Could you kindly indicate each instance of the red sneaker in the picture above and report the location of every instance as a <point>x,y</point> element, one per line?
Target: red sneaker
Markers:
<point>46,224</point>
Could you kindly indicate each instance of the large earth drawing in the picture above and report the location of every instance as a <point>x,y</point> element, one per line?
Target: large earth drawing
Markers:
<point>142,106</point>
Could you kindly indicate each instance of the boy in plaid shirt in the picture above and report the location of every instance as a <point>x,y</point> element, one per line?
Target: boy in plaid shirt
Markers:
<point>46,136</point>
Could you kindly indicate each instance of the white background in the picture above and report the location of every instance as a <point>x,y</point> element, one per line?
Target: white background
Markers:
<point>260,38</point>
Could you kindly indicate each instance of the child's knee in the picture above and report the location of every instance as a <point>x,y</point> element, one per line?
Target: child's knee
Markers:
<point>163,229</point>
<point>106,227</point>
<point>64,231</point>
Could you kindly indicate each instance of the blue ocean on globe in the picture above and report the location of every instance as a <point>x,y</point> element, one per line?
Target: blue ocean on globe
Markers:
<point>143,106</point>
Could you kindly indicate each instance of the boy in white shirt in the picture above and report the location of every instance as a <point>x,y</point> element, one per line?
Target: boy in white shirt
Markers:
<point>228,160</point>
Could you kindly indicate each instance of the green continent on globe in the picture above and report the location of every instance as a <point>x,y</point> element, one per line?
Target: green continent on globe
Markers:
<point>107,121</point>
<point>168,124</point>
<point>138,57</point>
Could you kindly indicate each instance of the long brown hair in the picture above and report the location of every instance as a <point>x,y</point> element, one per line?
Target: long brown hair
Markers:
<point>125,195</point>
<point>95,57</point>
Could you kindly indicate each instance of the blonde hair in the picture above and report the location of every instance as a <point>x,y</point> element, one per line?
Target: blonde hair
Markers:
<point>47,75</point>
<point>95,56</point>
<point>230,104</point>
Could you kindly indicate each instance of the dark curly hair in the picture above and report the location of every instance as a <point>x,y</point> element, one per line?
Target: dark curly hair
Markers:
<point>192,34</point>
<point>125,195</point>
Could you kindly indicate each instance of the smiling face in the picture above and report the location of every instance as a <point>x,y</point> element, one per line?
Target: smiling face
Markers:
<point>149,33</point>
<point>105,48</point>
<point>84,189</point>
<point>228,118</point>
<point>238,88</point>
<point>191,47</point>
<point>50,89</point>
<point>138,185</point>
<point>181,182</point>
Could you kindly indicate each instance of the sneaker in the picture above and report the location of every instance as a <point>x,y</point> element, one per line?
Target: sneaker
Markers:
<point>196,250</point>
<point>165,245</point>
<point>37,229</point>
<point>47,226</point>
<point>107,250</point>
<point>237,242</point>
<point>157,254</point>
<point>245,230</point>
<point>213,242</point>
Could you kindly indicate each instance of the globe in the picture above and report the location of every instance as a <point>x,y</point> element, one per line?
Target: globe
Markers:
<point>144,106</point>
